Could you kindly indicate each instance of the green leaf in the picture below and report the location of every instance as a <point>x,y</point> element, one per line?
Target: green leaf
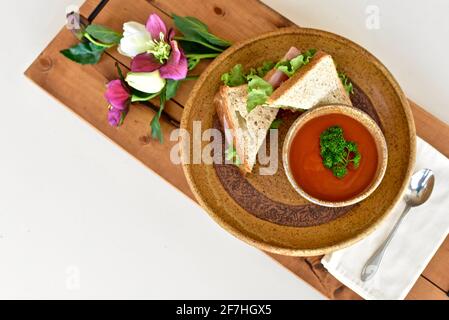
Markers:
<point>232,155</point>
<point>192,77</point>
<point>235,77</point>
<point>196,51</point>
<point>276,124</point>
<point>122,118</point>
<point>171,88</point>
<point>120,73</point>
<point>289,67</point>
<point>193,62</point>
<point>195,30</point>
<point>195,46</point>
<point>263,70</point>
<point>256,97</point>
<point>155,125</point>
<point>156,131</point>
<point>258,92</point>
<point>84,53</point>
<point>104,34</point>
<point>347,84</point>
<point>138,96</point>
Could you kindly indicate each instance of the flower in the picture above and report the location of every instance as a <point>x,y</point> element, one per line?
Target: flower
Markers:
<point>153,48</point>
<point>175,68</point>
<point>116,117</point>
<point>148,82</point>
<point>151,39</point>
<point>136,40</point>
<point>119,98</point>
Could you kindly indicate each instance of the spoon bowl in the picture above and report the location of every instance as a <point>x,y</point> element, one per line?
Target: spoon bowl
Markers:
<point>420,187</point>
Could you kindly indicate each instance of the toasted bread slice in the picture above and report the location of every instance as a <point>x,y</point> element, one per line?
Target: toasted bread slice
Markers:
<point>248,129</point>
<point>317,83</point>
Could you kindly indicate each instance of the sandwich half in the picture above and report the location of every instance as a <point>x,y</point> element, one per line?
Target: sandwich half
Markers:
<point>316,83</point>
<point>247,130</point>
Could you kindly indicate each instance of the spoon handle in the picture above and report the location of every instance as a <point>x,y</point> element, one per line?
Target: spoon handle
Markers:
<point>373,263</point>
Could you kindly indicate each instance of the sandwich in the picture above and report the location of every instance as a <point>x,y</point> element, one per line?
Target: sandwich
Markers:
<point>297,82</point>
<point>315,84</point>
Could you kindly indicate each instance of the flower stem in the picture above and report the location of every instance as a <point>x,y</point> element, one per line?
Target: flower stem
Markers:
<point>95,42</point>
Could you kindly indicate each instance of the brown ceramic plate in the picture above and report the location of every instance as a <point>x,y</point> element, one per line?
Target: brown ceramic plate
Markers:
<point>266,211</point>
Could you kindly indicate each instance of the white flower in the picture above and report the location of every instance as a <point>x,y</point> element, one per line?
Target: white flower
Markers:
<point>148,82</point>
<point>136,40</point>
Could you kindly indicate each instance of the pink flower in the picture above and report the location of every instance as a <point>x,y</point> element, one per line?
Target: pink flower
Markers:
<point>165,55</point>
<point>118,97</point>
<point>116,117</point>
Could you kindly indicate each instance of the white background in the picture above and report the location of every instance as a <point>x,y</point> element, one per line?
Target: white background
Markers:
<point>79,218</point>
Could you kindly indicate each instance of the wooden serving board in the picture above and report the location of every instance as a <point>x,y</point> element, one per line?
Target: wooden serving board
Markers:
<point>81,89</point>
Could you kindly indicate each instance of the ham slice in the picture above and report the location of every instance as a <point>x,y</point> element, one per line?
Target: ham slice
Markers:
<point>276,77</point>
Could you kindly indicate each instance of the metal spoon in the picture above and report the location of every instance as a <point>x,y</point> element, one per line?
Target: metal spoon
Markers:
<point>419,190</point>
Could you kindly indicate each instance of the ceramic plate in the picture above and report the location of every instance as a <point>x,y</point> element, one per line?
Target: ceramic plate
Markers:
<point>265,211</point>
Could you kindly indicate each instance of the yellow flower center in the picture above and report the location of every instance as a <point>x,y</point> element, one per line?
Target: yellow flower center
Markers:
<point>160,49</point>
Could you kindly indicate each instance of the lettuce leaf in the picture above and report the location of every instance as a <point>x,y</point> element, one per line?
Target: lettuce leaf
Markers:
<point>347,84</point>
<point>289,67</point>
<point>235,77</point>
<point>232,155</point>
<point>258,92</point>
<point>276,124</point>
<point>262,70</point>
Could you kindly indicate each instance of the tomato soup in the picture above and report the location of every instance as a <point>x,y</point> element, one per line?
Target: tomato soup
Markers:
<point>307,167</point>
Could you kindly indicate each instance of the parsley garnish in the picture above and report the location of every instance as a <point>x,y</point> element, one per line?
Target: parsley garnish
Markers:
<point>337,153</point>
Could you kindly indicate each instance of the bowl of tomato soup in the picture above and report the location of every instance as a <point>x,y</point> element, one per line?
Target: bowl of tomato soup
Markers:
<point>335,155</point>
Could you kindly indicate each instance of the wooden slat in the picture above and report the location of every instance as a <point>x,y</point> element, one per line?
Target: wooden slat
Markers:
<point>438,268</point>
<point>234,20</point>
<point>88,7</point>
<point>431,129</point>
<point>425,290</point>
<point>313,272</point>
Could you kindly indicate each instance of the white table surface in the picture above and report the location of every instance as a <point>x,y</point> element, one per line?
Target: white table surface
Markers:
<point>79,218</point>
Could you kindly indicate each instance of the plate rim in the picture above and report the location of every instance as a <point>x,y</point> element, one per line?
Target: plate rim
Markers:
<point>272,247</point>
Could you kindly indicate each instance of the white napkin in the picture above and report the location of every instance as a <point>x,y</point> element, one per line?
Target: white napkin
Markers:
<point>418,238</point>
